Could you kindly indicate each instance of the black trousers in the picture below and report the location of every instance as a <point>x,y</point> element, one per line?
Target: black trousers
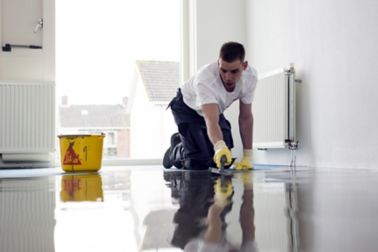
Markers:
<point>195,150</point>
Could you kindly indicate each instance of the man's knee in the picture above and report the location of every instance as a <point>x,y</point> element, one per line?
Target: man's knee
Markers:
<point>195,140</point>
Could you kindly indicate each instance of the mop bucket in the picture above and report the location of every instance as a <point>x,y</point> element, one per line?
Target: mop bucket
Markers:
<point>81,152</point>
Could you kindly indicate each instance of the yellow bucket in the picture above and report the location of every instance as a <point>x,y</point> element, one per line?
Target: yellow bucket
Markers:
<point>81,152</point>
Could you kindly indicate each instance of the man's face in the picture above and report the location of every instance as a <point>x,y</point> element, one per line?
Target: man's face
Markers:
<point>231,72</point>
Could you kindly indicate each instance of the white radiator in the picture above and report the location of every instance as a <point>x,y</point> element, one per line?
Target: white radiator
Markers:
<point>27,120</point>
<point>274,111</point>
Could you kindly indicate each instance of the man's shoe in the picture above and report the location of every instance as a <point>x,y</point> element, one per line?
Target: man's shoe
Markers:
<point>167,161</point>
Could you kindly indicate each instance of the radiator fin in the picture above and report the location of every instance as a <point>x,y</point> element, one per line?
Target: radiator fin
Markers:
<point>27,117</point>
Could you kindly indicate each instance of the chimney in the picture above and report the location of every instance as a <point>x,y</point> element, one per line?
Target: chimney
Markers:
<point>125,101</point>
<point>64,100</point>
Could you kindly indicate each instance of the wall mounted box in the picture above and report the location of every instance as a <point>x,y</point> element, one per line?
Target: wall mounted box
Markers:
<point>21,24</point>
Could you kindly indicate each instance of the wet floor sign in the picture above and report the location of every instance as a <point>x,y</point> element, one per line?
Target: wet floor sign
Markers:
<point>71,158</point>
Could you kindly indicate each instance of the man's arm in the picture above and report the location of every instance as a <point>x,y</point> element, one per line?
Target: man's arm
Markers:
<point>246,125</point>
<point>211,115</point>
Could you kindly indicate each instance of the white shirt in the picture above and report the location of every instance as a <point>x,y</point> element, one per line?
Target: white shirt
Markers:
<point>206,87</point>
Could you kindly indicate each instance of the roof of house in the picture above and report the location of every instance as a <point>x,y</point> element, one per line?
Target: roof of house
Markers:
<point>96,116</point>
<point>160,78</point>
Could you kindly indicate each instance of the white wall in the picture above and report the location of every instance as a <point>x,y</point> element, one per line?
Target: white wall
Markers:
<point>32,64</point>
<point>334,46</point>
<point>218,21</point>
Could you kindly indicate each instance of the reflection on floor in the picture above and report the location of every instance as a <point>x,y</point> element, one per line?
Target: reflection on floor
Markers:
<point>151,209</point>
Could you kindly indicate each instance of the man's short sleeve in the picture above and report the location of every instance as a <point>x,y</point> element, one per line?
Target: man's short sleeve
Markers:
<point>248,91</point>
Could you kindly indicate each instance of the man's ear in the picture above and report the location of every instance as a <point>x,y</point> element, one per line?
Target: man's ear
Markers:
<point>245,65</point>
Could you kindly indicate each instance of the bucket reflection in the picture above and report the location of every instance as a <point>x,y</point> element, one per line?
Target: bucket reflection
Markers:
<point>77,188</point>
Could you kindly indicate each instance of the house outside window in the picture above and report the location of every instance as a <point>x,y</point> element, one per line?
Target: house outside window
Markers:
<point>118,77</point>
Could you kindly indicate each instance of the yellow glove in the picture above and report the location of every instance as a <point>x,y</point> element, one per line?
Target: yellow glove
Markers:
<point>221,150</point>
<point>223,192</point>
<point>247,180</point>
<point>245,163</point>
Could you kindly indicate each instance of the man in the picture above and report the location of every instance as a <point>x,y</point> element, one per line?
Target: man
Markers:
<point>204,133</point>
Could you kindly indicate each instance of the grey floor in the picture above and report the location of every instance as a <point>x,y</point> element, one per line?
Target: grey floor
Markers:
<point>147,208</point>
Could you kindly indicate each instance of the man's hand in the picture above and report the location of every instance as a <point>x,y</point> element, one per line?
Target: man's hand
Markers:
<point>221,150</point>
<point>223,192</point>
<point>247,180</point>
<point>246,162</point>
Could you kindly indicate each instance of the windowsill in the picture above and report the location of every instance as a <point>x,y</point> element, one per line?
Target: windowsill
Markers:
<point>124,162</point>
<point>121,162</point>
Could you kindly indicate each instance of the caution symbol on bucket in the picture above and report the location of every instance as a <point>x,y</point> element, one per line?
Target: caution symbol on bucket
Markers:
<point>71,158</point>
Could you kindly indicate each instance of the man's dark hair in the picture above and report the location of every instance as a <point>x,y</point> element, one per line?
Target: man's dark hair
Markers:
<point>231,51</point>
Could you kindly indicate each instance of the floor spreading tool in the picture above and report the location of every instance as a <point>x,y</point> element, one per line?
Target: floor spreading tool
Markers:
<point>229,171</point>
<point>222,171</point>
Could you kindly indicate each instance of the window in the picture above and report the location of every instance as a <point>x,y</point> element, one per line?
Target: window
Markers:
<point>117,66</point>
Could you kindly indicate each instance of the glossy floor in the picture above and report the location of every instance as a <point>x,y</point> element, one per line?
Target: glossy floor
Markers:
<point>150,209</point>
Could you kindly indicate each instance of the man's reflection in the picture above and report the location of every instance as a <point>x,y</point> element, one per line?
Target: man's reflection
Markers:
<point>213,237</point>
<point>204,202</point>
<point>195,192</point>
